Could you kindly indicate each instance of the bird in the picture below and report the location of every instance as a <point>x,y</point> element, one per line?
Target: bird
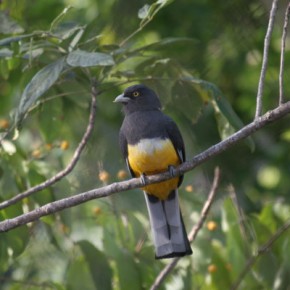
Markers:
<point>151,143</point>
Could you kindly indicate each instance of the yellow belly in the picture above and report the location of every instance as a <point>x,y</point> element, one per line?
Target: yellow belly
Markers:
<point>151,156</point>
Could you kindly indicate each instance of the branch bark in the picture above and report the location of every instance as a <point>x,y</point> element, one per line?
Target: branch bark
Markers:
<point>265,59</point>
<point>214,150</point>
<point>282,57</point>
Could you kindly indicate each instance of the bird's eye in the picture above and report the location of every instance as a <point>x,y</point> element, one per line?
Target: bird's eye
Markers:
<point>136,94</point>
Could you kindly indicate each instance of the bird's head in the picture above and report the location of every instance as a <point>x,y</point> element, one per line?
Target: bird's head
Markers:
<point>138,98</point>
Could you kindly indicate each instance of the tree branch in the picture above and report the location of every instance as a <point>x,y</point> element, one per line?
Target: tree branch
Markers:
<point>265,59</point>
<point>69,167</point>
<point>193,233</point>
<point>282,57</point>
<point>214,150</point>
<point>261,251</point>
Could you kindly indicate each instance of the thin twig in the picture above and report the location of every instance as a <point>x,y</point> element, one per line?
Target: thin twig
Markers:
<point>193,233</point>
<point>265,59</point>
<point>261,250</point>
<point>282,57</point>
<point>69,167</point>
<point>206,207</point>
<point>211,152</point>
<point>143,23</point>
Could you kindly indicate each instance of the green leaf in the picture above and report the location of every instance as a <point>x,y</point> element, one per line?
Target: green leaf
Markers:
<point>60,17</point>
<point>81,58</point>
<point>16,240</point>
<point>144,11</point>
<point>8,40</point>
<point>183,94</point>
<point>267,217</point>
<point>164,43</point>
<point>282,279</point>
<point>55,109</point>
<point>100,269</point>
<point>5,52</point>
<point>224,127</point>
<point>230,121</point>
<point>39,84</point>
<point>66,30</point>
<point>8,25</point>
<point>147,12</point>
<point>127,267</point>
<point>78,275</point>
<point>236,244</point>
<point>4,69</point>
<point>266,266</point>
<point>221,277</point>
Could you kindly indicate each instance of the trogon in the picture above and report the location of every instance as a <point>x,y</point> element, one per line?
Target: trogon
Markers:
<point>151,143</point>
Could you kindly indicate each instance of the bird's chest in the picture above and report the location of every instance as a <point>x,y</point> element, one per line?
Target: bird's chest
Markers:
<point>150,156</point>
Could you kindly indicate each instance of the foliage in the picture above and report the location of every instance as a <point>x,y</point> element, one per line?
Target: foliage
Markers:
<point>205,68</point>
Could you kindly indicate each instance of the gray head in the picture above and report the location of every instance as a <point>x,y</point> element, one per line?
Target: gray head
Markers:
<point>138,98</point>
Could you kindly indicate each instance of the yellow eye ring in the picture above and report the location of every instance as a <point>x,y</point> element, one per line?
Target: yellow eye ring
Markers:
<point>136,94</point>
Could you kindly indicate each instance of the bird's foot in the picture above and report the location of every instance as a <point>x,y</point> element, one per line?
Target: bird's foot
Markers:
<point>172,170</point>
<point>143,179</point>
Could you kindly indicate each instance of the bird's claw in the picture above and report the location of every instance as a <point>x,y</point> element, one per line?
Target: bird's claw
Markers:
<point>143,179</point>
<point>172,170</point>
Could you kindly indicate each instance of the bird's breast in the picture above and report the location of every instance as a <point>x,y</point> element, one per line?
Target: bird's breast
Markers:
<point>151,156</point>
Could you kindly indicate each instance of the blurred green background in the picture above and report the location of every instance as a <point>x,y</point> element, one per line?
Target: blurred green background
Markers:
<point>203,58</point>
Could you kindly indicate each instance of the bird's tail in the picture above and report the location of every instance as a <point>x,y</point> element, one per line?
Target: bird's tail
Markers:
<point>169,234</point>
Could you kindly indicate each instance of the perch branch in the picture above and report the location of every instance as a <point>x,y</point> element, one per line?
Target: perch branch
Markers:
<point>214,150</point>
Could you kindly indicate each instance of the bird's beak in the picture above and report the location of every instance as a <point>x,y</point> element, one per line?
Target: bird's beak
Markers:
<point>122,99</point>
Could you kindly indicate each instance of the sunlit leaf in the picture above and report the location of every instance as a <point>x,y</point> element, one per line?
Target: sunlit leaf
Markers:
<point>144,11</point>
<point>147,12</point>
<point>8,147</point>
<point>81,58</point>
<point>77,38</point>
